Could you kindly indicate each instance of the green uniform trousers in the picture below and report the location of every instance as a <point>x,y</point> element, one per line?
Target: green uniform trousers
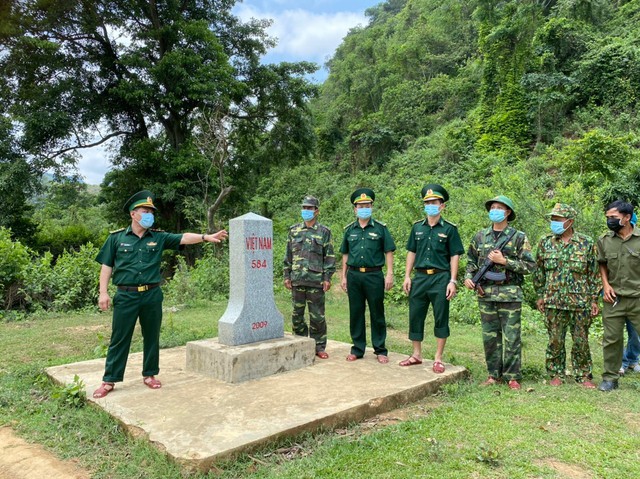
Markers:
<point>127,308</point>
<point>558,321</point>
<point>369,288</point>
<point>613,322</point>
<point>428,289</point>
<point>317,329</point>
<point>501,320</point>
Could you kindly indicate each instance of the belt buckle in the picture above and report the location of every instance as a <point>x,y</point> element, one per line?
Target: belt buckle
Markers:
<point>431,271</point>
<point>143,288</point>
<point>362,269</point>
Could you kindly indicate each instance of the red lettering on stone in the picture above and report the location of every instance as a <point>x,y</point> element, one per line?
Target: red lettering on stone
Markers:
<point>254,242</point>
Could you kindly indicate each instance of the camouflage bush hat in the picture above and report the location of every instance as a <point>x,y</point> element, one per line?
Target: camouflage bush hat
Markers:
<point>434,191</point>
<point>505,201</point>
<point>363,195</point>
<point>141,198</point>
<point>310,201</point>
<point>563,210</point>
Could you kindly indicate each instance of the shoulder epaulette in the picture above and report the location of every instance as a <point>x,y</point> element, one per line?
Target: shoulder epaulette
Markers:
<point>381,223</point>
<point>350,224</point>
<point>447,221</point>
<point>117,231</point>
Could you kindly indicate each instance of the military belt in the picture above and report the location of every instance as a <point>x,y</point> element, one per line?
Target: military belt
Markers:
<point>138,289</point>
<point>365,270</point>
<point>431,270</point>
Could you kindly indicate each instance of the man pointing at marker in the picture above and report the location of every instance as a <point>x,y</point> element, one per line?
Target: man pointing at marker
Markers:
<point>131,257</point>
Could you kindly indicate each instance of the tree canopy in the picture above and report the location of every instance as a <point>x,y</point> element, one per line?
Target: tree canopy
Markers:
<point>145,76</point>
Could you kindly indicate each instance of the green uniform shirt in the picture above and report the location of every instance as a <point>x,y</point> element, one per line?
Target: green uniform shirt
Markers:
<point>366,246</point>
<point>622,258</point>
<point>567,276</point>
<point>136,261</point>
<point>434,246</point>
<point>519,262</point>
<point>309,259</point>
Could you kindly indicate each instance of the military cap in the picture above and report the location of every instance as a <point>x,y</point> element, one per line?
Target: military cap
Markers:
<point>563,211</point>
<point>505,201</point>
<point>432,191</point>
<point>141,198</point>
<point>363,195</point>
<point>310,201</point>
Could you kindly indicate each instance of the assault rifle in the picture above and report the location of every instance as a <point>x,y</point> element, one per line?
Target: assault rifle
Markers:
<point>484,271</point>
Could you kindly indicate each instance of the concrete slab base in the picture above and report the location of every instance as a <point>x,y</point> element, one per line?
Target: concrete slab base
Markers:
<point>198,420</point>
<point>236,364</point>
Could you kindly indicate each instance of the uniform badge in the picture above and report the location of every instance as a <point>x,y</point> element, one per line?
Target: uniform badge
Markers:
<point>373,235</point>
<point>125,244</point>
<point>442,235</point>
<point>152,244</point>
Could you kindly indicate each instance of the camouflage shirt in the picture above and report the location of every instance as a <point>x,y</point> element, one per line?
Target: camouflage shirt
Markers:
<point>309,259</point>
<point>568,276</point>
<point>519,262</point>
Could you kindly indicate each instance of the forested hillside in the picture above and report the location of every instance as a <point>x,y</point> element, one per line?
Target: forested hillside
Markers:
<point>535,99</point>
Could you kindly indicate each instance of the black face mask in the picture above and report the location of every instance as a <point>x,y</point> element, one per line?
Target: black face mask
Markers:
<point>614,224</point>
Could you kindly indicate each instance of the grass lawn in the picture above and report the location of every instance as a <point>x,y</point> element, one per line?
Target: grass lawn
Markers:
<point>464,431</point>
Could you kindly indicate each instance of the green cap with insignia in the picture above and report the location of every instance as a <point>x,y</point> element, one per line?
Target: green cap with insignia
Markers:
<point>563,210</point>
<point>141,198</point>
<point>505,201</point>
<point>363,195</point>
<point>310,201</point>
<point>434,191</point>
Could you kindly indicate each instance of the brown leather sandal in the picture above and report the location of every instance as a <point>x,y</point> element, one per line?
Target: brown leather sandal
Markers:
<point>104,389</point>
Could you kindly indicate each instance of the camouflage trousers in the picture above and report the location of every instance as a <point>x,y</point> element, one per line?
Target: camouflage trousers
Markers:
<point>557,322</point>
<point>501,321</point>
<point>317,329</point>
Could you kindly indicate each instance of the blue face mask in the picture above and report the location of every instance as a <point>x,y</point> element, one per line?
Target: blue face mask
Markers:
<point>364,213</point>
<point>497,216</point>
<point>307,215</point>
<point>432,210</point>
<point>146,220</point>
<point>557,227</point>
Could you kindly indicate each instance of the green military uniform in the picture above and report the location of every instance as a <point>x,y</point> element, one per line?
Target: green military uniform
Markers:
<point>433,246</point>
<point>366,248</point>
<point>136,272</point>
<point>309,261</point>
<point>568,281</point>
<point>501,305</point>
<point>622,258</point>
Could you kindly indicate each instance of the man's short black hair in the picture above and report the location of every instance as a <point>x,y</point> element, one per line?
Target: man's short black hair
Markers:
<point>622,206</point>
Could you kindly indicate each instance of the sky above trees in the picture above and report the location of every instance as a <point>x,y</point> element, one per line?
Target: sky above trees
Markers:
<point>307,30</point>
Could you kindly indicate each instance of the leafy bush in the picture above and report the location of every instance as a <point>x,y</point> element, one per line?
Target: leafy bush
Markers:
<point>14,257</point>
<point>75,279</point>
<point>208,279</point>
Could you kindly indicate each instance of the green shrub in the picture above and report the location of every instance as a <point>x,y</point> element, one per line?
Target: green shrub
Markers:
<point>75,279</point>
<point>14,257</point>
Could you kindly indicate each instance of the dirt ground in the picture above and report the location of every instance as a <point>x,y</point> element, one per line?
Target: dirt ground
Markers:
<point>21,460</point>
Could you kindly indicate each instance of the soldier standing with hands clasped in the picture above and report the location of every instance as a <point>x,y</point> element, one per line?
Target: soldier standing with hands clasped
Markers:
<point>500,298</point>
<point>131,257</point>
<point>366,247</point>
<point>309,264</point>
<point>433,250</point>
<point>567,285</point>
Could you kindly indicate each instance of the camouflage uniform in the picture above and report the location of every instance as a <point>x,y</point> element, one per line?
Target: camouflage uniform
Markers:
<point>501,305</point>
<point>568,280</point>
<point>309,260</point>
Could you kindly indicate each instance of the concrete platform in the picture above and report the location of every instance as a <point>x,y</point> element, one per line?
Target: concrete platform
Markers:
<point>198,420</point>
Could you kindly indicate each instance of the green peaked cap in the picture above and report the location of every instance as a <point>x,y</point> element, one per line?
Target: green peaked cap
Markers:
<point>141,198</point>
